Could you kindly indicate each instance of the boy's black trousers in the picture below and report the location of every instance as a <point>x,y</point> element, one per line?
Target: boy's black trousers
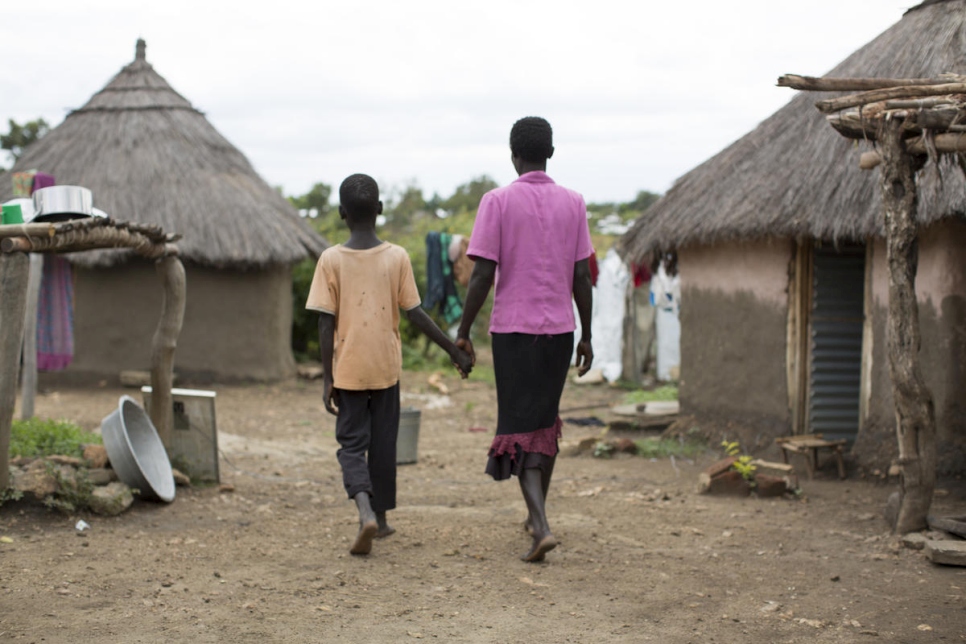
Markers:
<point>366,428</point>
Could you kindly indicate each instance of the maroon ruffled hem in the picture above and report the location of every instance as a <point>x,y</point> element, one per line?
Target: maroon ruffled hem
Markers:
<point>542,441</point>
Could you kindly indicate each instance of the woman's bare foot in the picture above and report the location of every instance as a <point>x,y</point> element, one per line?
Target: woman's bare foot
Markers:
<point>384,528</point>
<point>541,546</point>
<point>384,531</point>
<point>363,543</point>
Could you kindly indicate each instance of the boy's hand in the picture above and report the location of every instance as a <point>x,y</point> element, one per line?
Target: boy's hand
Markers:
<point>331,396</point>
<point>463,362</point>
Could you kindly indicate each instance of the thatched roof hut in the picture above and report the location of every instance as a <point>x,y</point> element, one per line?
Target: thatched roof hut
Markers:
<point>149,156</point>
<point>784,281</point>
<point>793,175</point>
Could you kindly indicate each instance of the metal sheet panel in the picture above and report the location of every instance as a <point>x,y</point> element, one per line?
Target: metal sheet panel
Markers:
<point>836,342</point>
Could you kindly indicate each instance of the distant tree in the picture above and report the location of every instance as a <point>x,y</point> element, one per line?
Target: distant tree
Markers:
<point>467,196</point>
<point>643,201</point>
<point>407,207</point>
<point>20,137</point>
<point>317,198</point>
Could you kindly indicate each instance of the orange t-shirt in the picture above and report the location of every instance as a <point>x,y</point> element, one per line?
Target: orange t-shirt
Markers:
<point>364,290</point>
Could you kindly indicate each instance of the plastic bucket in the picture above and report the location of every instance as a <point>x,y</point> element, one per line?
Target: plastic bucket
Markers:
<point>408,439</point>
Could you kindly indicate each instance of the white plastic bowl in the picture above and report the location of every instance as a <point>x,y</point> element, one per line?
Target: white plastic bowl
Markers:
<point>136,451</point>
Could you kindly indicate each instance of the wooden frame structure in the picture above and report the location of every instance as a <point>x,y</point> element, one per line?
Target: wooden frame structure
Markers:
<point>910,121</point>
<point>17,240</point>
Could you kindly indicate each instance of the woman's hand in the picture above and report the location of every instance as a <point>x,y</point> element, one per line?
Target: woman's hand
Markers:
<point>466,345</point>
<point>585,356</point>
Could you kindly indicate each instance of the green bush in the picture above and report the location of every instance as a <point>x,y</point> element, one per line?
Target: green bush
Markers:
<point>38,437</point>
<point>661,394</point>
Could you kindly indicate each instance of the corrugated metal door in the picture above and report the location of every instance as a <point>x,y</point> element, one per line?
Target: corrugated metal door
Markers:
<point>835,373</point>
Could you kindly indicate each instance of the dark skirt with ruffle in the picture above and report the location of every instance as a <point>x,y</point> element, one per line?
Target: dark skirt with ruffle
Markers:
<point>530,374</point>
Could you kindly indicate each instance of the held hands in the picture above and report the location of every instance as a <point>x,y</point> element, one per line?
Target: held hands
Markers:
<point>330,395</point>
<point>464,358</point>
<point>585,357</point>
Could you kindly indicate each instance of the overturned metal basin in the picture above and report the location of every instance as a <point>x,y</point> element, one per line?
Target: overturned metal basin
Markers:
<point>136,451</point>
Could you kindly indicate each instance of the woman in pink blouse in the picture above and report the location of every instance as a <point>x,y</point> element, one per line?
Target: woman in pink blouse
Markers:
<point>531,238</point>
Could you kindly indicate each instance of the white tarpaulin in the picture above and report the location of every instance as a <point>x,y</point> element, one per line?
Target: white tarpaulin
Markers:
<point>607,323</point>
<point>666,298</point>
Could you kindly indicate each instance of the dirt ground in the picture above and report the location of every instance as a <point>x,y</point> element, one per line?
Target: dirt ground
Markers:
<point>643,557</point>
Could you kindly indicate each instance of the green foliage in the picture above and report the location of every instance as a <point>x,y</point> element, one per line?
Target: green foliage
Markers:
<point>37,437</point>
<point>21,136</point>
<point>663,393</point>
<point>467,196</point>
<point>315,199</point>
<point>73,492</point>
<point>603,449</point>
<point>305,323</point>
<point>743,465</point>
<point>658,447</point>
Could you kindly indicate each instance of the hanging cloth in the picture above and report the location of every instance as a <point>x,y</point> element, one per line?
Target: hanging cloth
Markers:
<point>434,272</point>
<point>55,315</point>
<point>55,305</point>
<point>440,285</point>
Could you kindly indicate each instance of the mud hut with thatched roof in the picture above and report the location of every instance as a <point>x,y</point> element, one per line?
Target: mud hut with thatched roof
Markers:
<point>783,268</point>
<point>149,156</point>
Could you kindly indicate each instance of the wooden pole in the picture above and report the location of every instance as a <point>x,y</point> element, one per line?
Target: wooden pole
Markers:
<point>915,414</point>
<point>28,385</point>
<point>171,272</point>
<point>13,302</point>
<point>903,93</point>
<point>815,84</point>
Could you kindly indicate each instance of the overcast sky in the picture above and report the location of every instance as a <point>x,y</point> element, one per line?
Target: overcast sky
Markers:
<point>425,91</point>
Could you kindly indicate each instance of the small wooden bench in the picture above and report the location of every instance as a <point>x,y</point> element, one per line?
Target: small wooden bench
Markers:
<point>809,446</point>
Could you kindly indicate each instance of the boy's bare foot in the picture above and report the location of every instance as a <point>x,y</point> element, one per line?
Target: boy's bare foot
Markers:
<point>540,548</point>
<point>363,543</point>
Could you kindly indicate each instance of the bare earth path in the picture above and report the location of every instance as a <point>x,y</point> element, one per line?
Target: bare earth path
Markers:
<point>643,558</point>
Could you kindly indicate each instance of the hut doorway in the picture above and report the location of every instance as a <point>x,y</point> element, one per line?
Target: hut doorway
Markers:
<point>831,331</point>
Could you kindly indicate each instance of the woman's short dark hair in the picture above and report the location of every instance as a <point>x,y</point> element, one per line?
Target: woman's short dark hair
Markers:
<point>531,139</point>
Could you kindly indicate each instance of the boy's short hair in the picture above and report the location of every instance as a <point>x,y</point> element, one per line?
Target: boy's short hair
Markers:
<point>531,139</point>
<point>359,195</point>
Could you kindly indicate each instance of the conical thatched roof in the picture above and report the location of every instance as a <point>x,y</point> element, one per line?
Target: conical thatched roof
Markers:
<point>148,156</point>
<point>794,176</point>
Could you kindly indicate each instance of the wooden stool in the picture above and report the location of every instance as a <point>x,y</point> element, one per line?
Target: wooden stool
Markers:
<point>809,445</point>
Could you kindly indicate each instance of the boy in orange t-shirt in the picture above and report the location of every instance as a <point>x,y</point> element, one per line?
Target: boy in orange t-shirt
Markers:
<point>358,289</point>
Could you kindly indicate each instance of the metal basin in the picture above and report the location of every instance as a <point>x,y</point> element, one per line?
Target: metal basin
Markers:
<point>136,451</point>
<point>60,201</point>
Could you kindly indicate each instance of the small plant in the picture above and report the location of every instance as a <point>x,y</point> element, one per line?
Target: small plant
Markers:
<point>603,449</point>
<point>743,465</point>
<point>39,437</point>
<point>73,490</point>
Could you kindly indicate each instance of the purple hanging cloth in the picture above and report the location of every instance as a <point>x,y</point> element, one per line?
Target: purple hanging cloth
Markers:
<point>55,308</point>
<point>42,180</point>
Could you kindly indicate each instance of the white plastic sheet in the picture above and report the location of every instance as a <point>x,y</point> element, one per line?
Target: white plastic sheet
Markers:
<point>666,298</point>
<point>607,323</point>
